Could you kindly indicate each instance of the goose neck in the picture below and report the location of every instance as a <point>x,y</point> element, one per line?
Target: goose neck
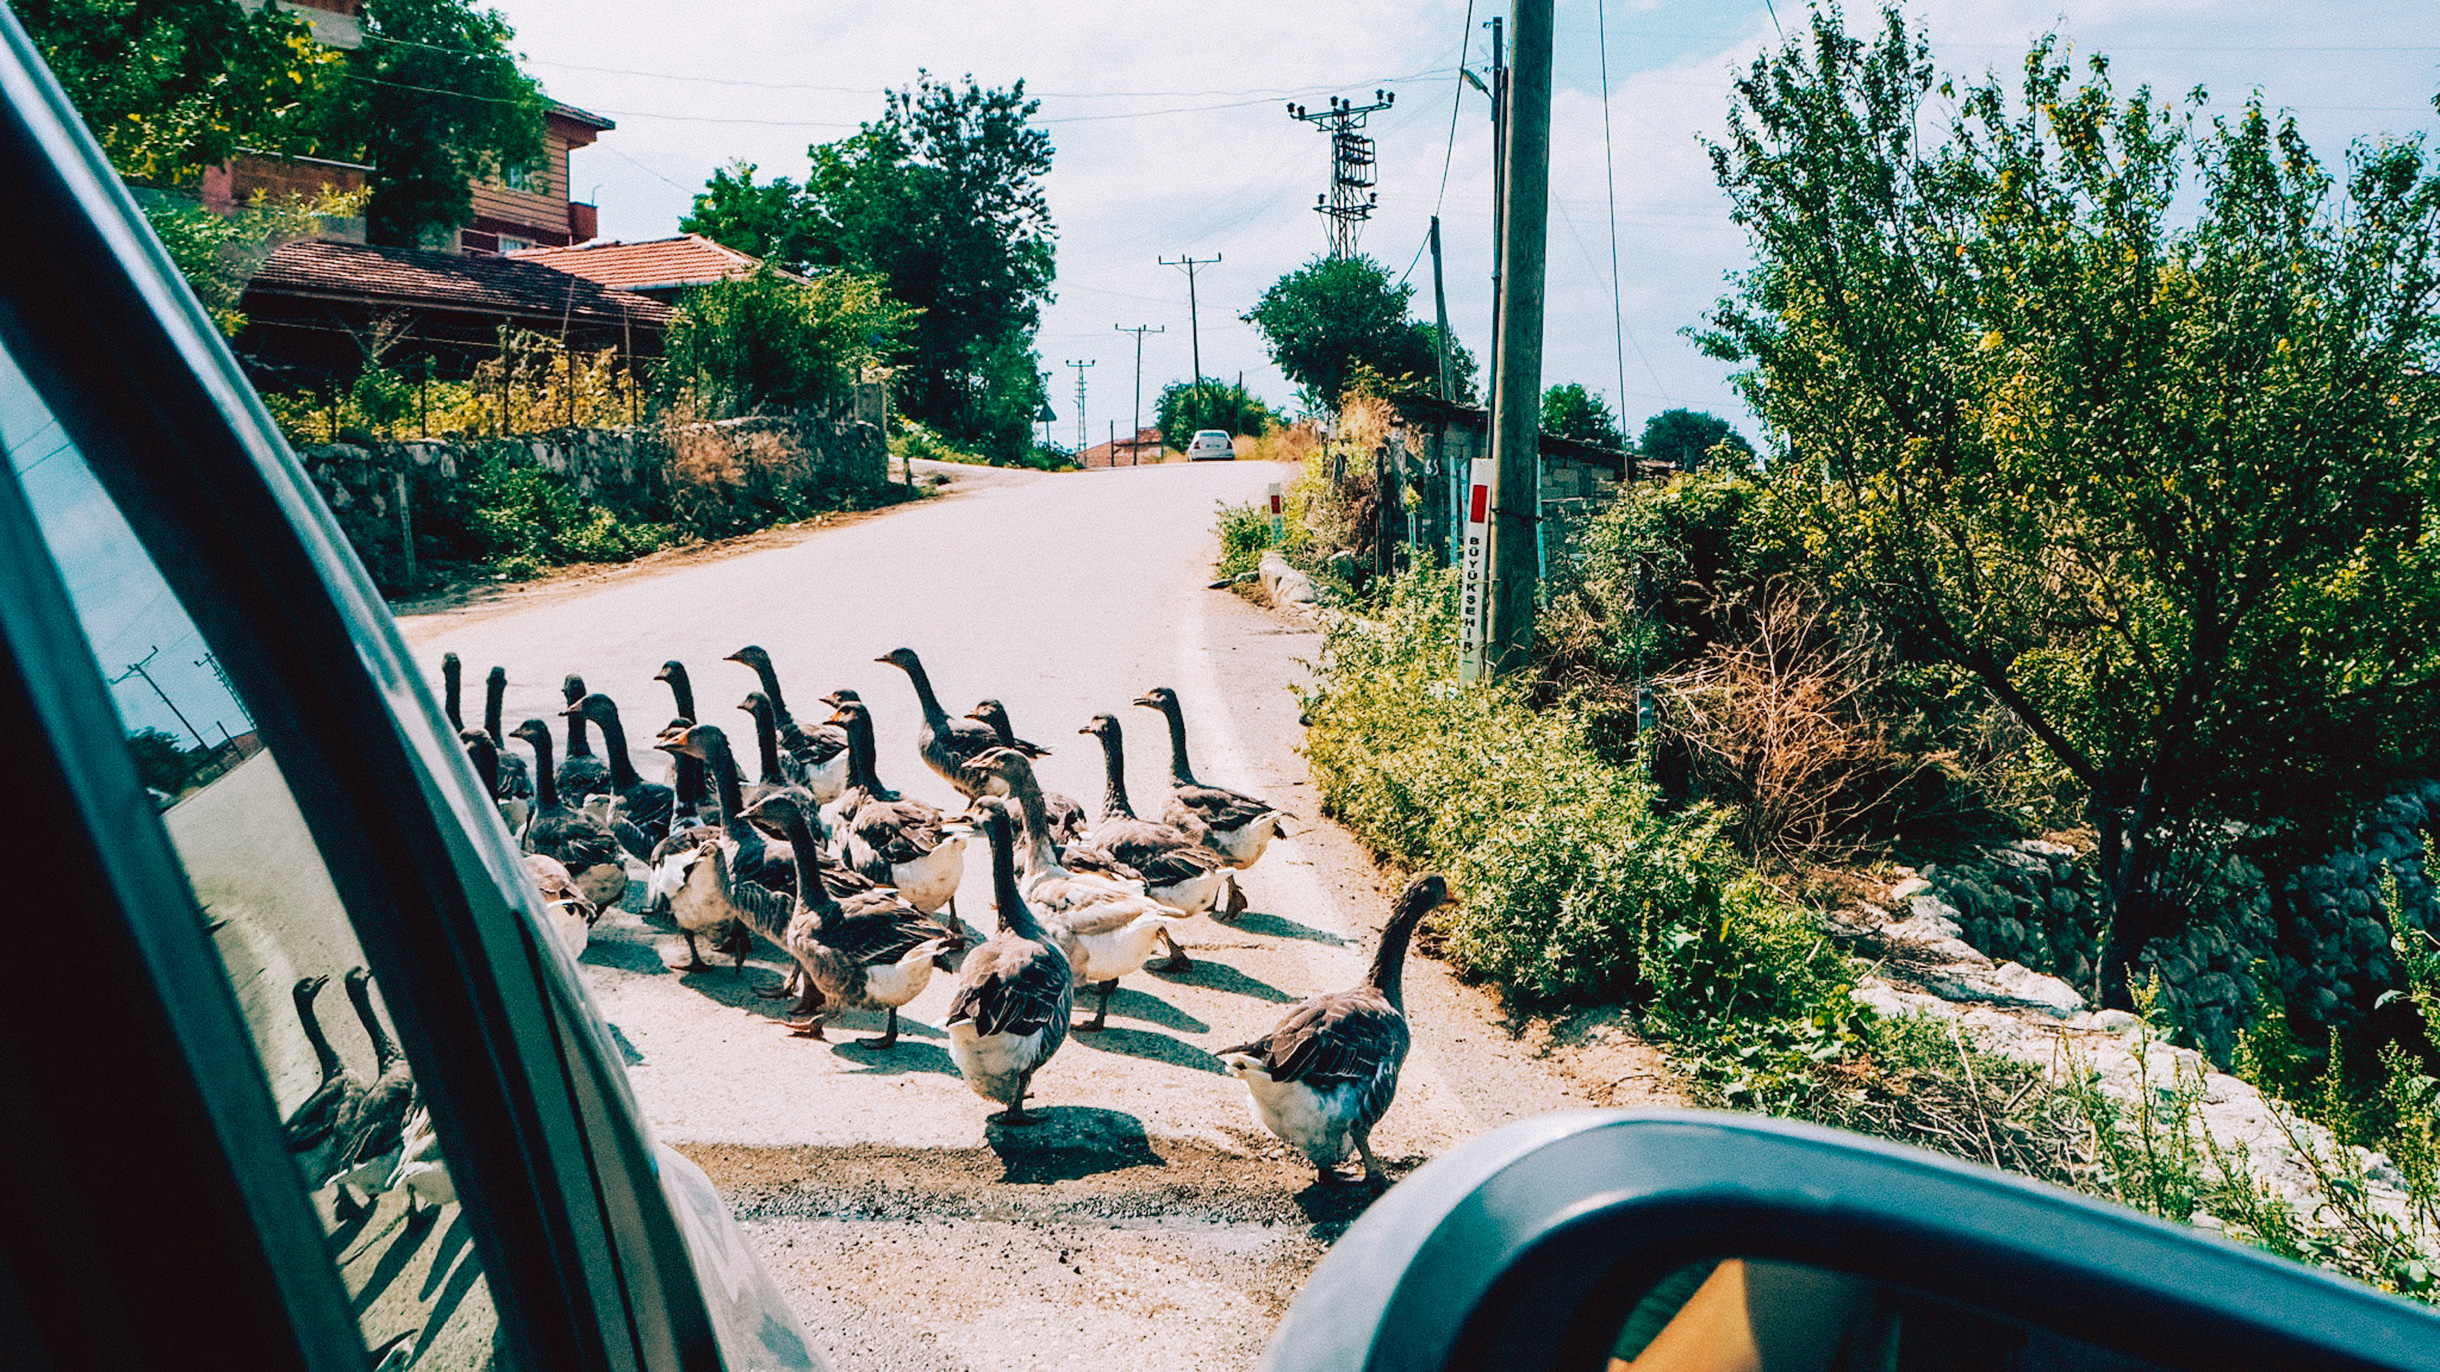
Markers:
<point>323,1054</point>
<point>723,767</point>
<point>769,676</point>
<point>1388,972</point>
<point>1015,915</point>
<point>681,690</point>
<point>495,690</point>
<point>811,891</point>
<point>1040,855</point>
<point>546,783</point>
<point>1180,770</point>
<point>449,691</point>
<point>933,714</point>
<point>863,755</point>
<point>766,744</point>
<point>1114,776</point>
<point>614,748</point>
<point>360,994</point>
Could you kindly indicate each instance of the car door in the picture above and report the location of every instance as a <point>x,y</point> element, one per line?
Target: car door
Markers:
<point>311,903</point>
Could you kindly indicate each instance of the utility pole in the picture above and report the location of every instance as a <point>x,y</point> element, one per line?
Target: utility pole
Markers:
<point>1194,326</point>
<point>1352,199</point>
<point>1135,436</point>
<point>136,668</point>
<point>1516,420</point>
<point>1499,200</point>
<point>1081,431</point>
<point>1436,504</point>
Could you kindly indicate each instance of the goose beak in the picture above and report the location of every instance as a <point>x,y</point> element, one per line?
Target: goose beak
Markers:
<point>738,656</point>
<point>1148,702</point>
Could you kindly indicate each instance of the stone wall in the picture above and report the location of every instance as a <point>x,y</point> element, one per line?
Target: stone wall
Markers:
<point>2322,931</point>
<point>404,504</point>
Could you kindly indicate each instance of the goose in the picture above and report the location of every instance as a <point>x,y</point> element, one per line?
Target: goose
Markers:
<point>869,952</point>
<point>686,778</point>
<point>1178,871</point>
<point>895,840</point>
<point>1014,995</point>
<point>648,805</point>
<point>1067,818</point>
<point>946,745</point>
<point>451,672</point>
<point>581,774</point>
<point>381,1121</point>
<point>582,841</point>
<point>572,915</point>
<point>707,871</point>
<point>1232,822</point>
<point>815,759</point>
<point>421,1173</point>
<point>772,774</point>
<point>1107,928</point>
<point>318,1131</point>
<point>485,759</point>
<point>516,792</point>
<point>1326,1074</point>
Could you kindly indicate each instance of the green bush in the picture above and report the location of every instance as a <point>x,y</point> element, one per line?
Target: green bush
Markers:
<point>526,519</point>
<point>1573,889</point>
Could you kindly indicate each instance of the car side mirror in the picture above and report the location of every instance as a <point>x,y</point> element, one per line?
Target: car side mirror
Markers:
<point>1688,1242</point>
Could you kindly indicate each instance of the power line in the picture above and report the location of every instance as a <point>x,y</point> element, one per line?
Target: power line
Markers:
<point>1457,103</point>
<point>1609,171</point>
<point>1194,321</point>
<point>1351,199</point>
<point>1134,439</point>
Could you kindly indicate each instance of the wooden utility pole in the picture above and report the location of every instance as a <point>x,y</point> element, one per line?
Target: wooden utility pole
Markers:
<point>1516,418</point>
<point>1194,325</point>
<point>1135,445</point>
<point>1436,502</point>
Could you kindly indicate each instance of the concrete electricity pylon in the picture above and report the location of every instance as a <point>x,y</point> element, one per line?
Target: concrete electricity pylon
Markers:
<point>1135,447</point>
<point>1080,428</point>
<point>1194,320</point>
<point>1351,200</point>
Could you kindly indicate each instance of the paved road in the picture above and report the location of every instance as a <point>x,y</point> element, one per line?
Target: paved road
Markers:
<point>1147,1216</point>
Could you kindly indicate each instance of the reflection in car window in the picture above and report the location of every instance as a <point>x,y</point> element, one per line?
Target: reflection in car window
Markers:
<point>362,1141</point>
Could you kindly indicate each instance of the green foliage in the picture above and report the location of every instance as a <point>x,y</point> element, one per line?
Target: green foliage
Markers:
<point>435,101</point>
<point>2160,485</point>
<point>219,253</point>
<point>771,343</point>
<point>529,519</point>
<point>1333,314</point>
<point>1685,439</point>
<point>1573,888</point>
<point>1245,535</point>
<point>1571,411</point>
<point>163,761</point>
<point>170,87</point>
<point>942,199</point>
<point>1227,406</point>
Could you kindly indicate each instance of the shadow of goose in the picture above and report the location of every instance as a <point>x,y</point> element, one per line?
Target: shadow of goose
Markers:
<point>1069,1142</point>
<point>1143,1043</point>
<point>904,1058</point>
<point>1219,976</point>
<point>1277,926</point>
<point>1150,1009</point>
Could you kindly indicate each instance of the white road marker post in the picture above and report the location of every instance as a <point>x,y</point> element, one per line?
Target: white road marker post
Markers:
<point>1278,507</point>
<point>1474,581</point>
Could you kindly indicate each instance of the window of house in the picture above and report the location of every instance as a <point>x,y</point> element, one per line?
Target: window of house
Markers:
<point>363,1145</point>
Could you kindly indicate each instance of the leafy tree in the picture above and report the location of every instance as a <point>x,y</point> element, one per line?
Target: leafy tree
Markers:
<point>1571,411</point>
<point>1185,407</point>
<point>942,199</point>
<point>2163,483</point>
<point>434,101</point>
<point>163,762</point>
<point>1683,438</point>
<point>1333,314</point>
<point>771,342</point>
<point>219,253</point>
<point>171,87</point>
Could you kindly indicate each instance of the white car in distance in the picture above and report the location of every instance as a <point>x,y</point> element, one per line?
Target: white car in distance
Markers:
<point>1210,445</point>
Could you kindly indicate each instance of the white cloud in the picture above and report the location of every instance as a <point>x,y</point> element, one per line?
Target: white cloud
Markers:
<point>1167,116</point>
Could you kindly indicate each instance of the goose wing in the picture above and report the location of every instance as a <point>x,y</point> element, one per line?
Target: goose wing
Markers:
<point>1077,855</point>
<point>1161,853</point>
<point>1346,1036</point>
<point>1066,818</point>
<point>1014,985</point>
<point>1216,807</point>
<point>898,830</point>
<point>879,933</point>
<point>580,841</point>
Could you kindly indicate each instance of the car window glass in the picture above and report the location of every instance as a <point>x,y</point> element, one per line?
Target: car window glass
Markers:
<point>362,1142</point>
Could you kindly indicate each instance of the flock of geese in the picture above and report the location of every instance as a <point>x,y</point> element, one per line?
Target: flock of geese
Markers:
<point>856,882</point>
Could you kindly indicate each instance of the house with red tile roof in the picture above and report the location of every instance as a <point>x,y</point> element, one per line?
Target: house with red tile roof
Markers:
<point>1143,450</point>
<point>658,267</point>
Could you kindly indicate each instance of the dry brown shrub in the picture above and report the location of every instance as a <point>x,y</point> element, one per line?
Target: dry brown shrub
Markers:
<point>1775,723</point>
<point>717,473</point>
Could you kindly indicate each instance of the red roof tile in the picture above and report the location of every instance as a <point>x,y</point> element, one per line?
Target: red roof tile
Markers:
<point>486,285</point>
<point>660,264</point>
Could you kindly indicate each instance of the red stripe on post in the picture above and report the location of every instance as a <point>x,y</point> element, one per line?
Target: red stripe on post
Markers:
<point>1481,505</point>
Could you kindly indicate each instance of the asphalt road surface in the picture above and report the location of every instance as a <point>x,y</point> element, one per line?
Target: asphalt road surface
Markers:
<point>1147,1219</point>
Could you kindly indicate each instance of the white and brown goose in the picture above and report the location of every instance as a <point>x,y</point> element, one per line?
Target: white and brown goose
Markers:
<point>1067,818</point>
<point>1324,1077</point>
<point>1014,995</point>
<point>1178,871</point>
<point>893,839</point>
<point>1108,929</point>
<point>583,842</point>
<point>815,759</point>
<point>319,1130</point>
<point>870,951</point>
<point>710,874</point>
<point>945,744</point>
<point>1236,824</point>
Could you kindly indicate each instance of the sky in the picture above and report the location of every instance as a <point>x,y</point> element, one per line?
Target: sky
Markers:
<point>1172,139</point>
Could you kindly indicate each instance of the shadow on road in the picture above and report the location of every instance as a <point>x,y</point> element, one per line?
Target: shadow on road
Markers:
<point>1151,1010</point>
<point>1332,1206</point>
<point>901,1059</point>
<point>1143,1043</point>
<point>1068,1142</point>
<point>1279,926</point>
<point>1219,976</point>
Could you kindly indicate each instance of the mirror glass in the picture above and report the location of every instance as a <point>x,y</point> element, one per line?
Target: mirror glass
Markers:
<point>1749,1315</point>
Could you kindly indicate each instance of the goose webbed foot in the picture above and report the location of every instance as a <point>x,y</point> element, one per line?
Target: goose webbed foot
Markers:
<point>694,957</point>
<point>1340,1174</point>
<point>780,991</point>
<point>1015,1113</point>
<point>1101,1014</point>
<point>809,1028</point>
<point>1373,1175</point>
<point>1177,961</point>
<point>888,1037</point>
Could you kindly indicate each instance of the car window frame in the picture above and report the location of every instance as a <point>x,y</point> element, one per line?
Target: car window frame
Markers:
<point>575,1239</point>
